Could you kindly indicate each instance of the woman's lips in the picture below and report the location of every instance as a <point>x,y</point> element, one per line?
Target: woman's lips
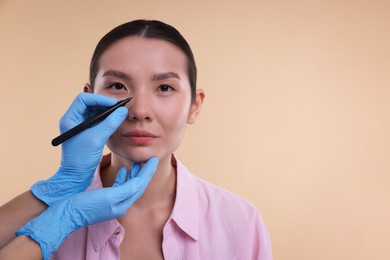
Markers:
<point>139,136</point>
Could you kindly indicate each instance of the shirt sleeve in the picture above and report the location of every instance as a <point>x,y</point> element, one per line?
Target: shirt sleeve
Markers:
<point>261,241</point>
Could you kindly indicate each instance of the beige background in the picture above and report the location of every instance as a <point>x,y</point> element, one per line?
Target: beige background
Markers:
<point>296,117</point>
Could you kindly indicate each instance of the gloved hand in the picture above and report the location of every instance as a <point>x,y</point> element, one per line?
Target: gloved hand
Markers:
<point>80,154</point>
<point>86,208</point>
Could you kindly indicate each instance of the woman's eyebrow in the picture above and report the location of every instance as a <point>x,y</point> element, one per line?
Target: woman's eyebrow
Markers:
<point>166,75</point>
<point>117,74</point>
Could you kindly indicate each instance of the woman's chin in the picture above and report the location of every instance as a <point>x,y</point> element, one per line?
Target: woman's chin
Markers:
<point>137,157</point>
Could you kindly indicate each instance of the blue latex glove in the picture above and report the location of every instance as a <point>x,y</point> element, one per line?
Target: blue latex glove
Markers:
<point>82,153</point>
<point>86,208</point>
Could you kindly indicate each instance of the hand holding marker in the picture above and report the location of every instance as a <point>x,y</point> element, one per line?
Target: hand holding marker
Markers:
<point>88,123</point>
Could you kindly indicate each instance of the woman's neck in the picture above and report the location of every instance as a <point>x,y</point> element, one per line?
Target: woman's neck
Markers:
<point>161,190</point>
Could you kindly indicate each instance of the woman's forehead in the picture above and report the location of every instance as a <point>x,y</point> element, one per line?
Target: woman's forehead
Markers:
<point>137,46</point>
<point>143,55</point>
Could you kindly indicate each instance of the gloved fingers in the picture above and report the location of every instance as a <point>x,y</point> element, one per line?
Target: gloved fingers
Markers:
<point>86,100</point>
<point>94,138</point>
<point>120,177</point>
<point>123,206</point>
<point>117,195</point>
<point>76,111</point>
<point>120,197</point>
<point>135,184</point>
<point>108,126</point>
<point>147,171</point>
<point>135,170</point>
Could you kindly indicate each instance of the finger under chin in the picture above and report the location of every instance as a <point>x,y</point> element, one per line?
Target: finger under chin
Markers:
<point>120,177</point>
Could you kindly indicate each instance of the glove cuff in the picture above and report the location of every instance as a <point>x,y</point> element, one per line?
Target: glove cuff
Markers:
<point>41,243</point>
<point>50,228</point>
<point>41,192</point>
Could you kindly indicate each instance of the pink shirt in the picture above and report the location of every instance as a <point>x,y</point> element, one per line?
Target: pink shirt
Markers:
<point>207,222</point>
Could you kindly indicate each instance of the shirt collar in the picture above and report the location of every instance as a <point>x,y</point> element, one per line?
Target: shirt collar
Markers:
<point>186,208</point>
<point>185,211</point>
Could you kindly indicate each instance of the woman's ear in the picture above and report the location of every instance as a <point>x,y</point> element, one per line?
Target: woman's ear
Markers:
<point>88,88</point>
<point>196,106</point>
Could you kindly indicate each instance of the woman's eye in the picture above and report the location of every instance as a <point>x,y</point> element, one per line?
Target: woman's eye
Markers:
<point>165,88</point>
<point>117,86</point>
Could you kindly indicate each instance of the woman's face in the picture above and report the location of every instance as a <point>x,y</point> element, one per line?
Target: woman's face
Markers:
<point>153,72</point>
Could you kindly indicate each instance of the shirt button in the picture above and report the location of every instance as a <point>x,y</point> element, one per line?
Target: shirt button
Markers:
<point>116,232</point>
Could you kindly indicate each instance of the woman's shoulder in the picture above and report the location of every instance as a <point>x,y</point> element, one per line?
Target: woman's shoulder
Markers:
<point>230,215</point>
<point>216,197</point>
<point>213,200</point>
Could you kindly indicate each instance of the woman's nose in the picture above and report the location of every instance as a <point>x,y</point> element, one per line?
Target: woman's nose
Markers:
<point>139,109</point>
